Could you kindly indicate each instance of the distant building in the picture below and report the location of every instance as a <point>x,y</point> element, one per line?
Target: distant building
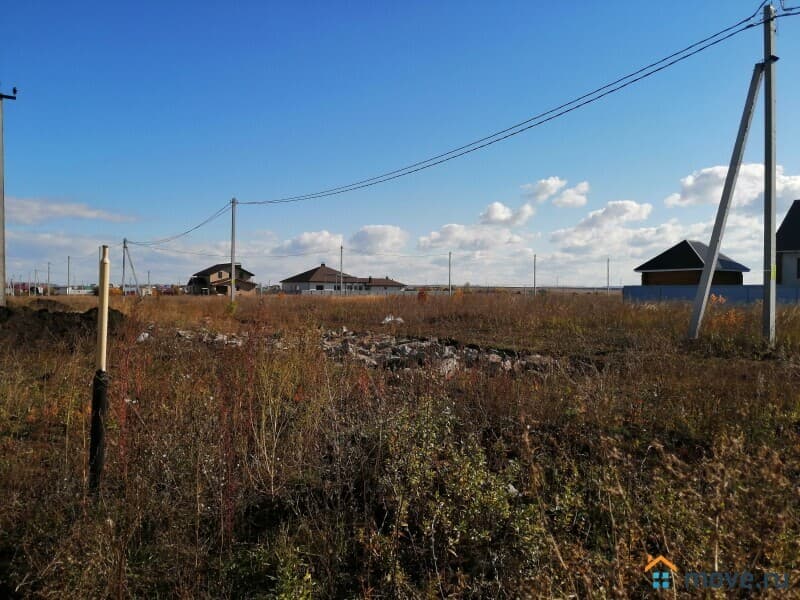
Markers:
<point>217,280</point>
<point>323,279</point>
<point>787,243</point>
<point>683,265</point>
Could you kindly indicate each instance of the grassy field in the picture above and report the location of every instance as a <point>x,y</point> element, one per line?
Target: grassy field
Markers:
<point>272,470</point>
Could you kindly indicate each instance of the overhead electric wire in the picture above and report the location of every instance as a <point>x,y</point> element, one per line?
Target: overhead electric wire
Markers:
<point>534,121</point>
<point>171,238</point>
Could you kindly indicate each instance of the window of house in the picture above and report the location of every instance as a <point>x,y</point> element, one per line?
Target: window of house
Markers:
<point>219,274</point>
<point>320,287</point>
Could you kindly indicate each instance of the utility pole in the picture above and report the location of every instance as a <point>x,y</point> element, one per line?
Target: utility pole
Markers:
<point>233,250</point>
<point>449,273</point>
<point>534,275</point>
<point>707,276</point>
<point>149,289</point>
<point>124,258</point>
<point>68,266</point>
<point>36,280</point>
<point>769,174</point>
<point>48,278</point>
<point>12,96</point>
<point>341,273</point>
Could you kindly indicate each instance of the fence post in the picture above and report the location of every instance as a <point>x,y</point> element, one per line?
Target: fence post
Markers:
<point>97,448</point>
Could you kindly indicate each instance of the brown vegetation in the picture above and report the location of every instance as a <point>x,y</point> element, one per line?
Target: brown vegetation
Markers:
<point>274,470</point>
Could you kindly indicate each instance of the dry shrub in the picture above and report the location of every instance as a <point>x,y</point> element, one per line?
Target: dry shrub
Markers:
<point>258,471</point>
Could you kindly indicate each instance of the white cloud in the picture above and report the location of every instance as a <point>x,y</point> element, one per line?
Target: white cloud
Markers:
<point>310,241</point>
<point>544,188</point>
<point>574,196</point>
<point>30,211</point>
<point>705,186</point>
<point>468,237</point>
<point>498,213</point>
<point>616,211</point>
<point>379,238</point>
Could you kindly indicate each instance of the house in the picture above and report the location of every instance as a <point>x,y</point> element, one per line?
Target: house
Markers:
<point>683,265</point>
<point>217,280</point>
<point>323,279</point>
<point>787,245</point>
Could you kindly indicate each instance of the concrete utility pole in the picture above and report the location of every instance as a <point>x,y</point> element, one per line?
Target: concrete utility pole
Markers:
<point>341,273</point>
<point>709,267</point>
<point>12,96</point>
<point>534,274</point>
<point>48,278</point>
<point>233,249</point>
<point>608,275</point>
<point>450,273</point>
<point>149,289</point>
<point>68,266</point>
<point>124,258</point>
<point>769,173</point>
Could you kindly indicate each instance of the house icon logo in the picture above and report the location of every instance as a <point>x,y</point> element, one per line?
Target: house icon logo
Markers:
<point>661,572</point>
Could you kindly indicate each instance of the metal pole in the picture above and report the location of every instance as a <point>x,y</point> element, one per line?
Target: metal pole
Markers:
<point>769,174</point>
<point>233,249</point>
<point>534,275</point>
<point>68,266</point>
<point>124,258</point>
<point>97,446</point>
<point>341,273</point>
<point>706,279</point>
<point>449,273</point>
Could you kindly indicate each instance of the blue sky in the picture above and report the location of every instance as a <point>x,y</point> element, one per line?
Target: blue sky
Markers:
<point>140,119</point>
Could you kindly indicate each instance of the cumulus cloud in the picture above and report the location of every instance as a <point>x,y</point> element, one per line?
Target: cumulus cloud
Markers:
<point>310,241</point>
<point>616,211</point>
<point>705,186</point>
<point>544,188</point>
<point>31,211</point>
<point>379,238</point>
<point>468,237</point>
<point>574,196</point>
<point>498,213</point>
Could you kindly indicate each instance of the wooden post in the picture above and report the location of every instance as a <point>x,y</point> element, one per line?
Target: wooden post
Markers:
<point>97,448</point>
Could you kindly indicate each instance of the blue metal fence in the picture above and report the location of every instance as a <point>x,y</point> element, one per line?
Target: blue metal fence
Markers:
<point>737,294</point>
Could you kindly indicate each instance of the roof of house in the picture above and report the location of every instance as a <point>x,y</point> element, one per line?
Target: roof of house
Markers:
<point>324,274</point>
<point>688,255</point>
<point>221,267</point>
<point>788,237</point>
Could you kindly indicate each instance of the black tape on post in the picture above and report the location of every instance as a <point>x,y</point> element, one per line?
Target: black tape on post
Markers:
<point>97,441</point>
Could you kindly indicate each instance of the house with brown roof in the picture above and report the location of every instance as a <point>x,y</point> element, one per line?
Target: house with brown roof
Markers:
<point>323,279</point>
<point>216,279</point>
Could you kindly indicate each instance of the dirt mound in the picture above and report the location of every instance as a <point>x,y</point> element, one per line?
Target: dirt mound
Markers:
<point>48,304</point>
<point>29,326</point>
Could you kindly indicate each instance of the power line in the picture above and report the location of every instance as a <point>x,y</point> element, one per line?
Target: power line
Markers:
<point>171,238</point>
<point>534,121</point>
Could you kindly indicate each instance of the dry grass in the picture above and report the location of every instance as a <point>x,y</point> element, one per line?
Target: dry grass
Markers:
<point>254,472</point>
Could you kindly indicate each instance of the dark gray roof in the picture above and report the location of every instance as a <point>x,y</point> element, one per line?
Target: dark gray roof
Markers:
<point>221,267</point>
<point>688,255</point>
<point>788,237</point>
<point>323,274</point>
